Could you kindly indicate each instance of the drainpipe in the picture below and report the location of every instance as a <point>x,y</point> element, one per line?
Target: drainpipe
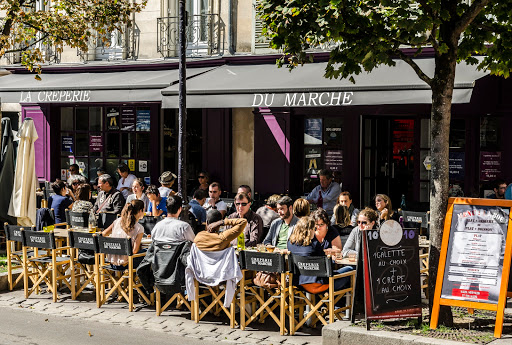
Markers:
<point>231,48</point>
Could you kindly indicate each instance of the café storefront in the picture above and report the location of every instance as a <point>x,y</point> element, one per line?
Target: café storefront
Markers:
<point>374,134</point>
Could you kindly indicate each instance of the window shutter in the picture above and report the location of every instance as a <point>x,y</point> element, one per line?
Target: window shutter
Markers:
<point>260,44</point>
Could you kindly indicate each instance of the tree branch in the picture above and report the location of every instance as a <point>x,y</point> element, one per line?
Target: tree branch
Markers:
<point>48,34</point>
<point>28,46</point>
<point>476,7</point>
<point>415,67</point>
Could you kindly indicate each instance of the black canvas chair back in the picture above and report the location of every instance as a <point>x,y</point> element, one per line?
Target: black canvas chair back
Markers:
<point>267,262</point>
<point>83,240</point>
<point>106,219</point>
<point>38,239</point>
<point>149,222</point>
<point>48,190</point>
<point>319,266</point>
<point>114,246</point>
<point>77,219</point>
<point>415,219</point>
<point>13,232</point>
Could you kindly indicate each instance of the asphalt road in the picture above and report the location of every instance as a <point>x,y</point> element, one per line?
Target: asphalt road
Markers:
<point>19,327</point>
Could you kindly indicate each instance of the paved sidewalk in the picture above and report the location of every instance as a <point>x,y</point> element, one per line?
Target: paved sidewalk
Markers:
<point>172,322</point>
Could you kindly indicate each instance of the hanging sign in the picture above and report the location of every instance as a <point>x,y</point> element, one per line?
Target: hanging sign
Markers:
<point>334,160</point>
<point>113,119</point>
<point>143,120</point>
<point>490,165</point>
<point>128,119</point>
<point>143,166</point>
<point>313,132</point>
<point>68,144</point>
<point>457,165</point>
<point>95,143</point>
<point>474,263</point>
<point>131,164</point>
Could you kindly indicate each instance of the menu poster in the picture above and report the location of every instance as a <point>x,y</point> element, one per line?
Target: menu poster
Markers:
<point>128,119</point>
<point>112,119</point>
<point>313,132</point>
<point>474,259</point>
<point>457,162</point>
<point>313,162</point>
<point>490,165</point>
<point>95,143</point>
<point>143,120</point>
<point>68,144</point>
<point>334,160</point>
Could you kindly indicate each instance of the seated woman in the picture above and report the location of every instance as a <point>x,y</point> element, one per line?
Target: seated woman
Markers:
<point>83,195</point>
<point>341,215</point>
<point>139,192</point>
<point>157,204</point>
<point>385,209</point>
<point>366,220</point>
<point>60,201</point>
<point>301,243</point>
<point>301,208</point>
<point>325,236</point>
<point>127,226</point>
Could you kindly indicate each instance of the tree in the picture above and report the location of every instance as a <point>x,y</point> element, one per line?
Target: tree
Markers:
<point>364,34</point>
<point>28,23</point>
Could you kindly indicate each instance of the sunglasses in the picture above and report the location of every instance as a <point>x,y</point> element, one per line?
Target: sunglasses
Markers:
<point>201,176</point>
<point>241,204</point>
<point>362,222</point>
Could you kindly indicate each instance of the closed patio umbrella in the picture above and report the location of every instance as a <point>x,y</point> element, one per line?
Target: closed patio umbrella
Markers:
<point>23,199</point>
<point>6,171</point>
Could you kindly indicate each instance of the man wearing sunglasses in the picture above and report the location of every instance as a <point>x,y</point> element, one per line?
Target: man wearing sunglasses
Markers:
<point>254,229</point>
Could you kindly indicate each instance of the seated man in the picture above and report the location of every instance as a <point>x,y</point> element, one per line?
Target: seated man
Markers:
<point>214,202</point>
<point>254,231</point>
<point>196,205</point>
<point>213,240</point>
<point>282,228</point>
<point>171,229</point>
<point>157,204</point>
<point>109,200</point>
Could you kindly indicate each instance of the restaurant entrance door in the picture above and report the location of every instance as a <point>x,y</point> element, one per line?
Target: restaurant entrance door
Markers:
<point>388,158</point>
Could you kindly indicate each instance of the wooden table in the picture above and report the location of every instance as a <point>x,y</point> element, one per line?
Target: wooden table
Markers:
<point>346,262</point>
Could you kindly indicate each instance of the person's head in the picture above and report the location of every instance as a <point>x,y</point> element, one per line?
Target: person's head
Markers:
<point>325,178</point>
<point>76,180</point>
<point>174,204</point>
<point>301,208</point>
<point>321,220</point>
<point>100,171</point>
<point>131,213</point>
<point>367,218</point>
<point>383,201</point>
<point>139,186</point>
<point>242,203</point>
<point>345,199</point>
<point>245,189</point>
<point>105,182</point>
<point>213,216</point>
<point>123,170</point>
<point>153,193</point>
<point>303,231</point>
<point>59,187</point>
<point>203,177</point>
<point>285,207</point>
<point>73,169</point>
<point>214,191</point>
<point>500,187</point>
<point>83,192</point>
<point>341,215</point>
<point>200,196</point>
<point>167,179</point>
<point>272,201</point>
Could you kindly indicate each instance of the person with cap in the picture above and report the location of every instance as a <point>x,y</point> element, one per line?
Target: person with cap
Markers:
<point>125,180</point>
<point>213,240</point>
<point>166,180</point>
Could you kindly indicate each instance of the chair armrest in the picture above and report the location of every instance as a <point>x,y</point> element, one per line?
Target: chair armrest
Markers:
<point>59,224</point>
<point>138,255</point>
<point>343,275</point>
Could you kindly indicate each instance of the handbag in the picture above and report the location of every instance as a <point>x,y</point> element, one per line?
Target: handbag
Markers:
<point>269,280</point>
<point>86,257</point>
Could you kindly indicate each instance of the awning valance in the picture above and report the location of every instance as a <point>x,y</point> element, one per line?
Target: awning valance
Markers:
<point>265,85</point>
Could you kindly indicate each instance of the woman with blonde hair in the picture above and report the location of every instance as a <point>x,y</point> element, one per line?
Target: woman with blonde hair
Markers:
<point>385,208</point>
<point>127,226</point>
<point>301,208</point>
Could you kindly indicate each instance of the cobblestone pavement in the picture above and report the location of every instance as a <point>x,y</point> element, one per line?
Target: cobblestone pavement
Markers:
<point>174,322</point>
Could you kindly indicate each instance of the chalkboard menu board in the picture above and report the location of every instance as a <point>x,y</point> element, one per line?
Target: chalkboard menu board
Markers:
<point>475,257</point>
<point>392,272</point>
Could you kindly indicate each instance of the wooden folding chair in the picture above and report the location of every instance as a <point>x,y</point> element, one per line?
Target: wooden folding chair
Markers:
<point>424,273</point>
<point>124,280</point>
<point>49,269</point>
<point>82,274</point>
<point>319,266</point>
<point>266,300</point>
<point>14,256</point>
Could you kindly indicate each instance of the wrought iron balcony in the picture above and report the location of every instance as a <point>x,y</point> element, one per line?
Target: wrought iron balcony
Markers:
<point>205,35</point>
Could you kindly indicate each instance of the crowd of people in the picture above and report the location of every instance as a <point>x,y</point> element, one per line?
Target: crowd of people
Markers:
<point>325,219</point>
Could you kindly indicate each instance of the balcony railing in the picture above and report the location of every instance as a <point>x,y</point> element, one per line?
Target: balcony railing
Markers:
<point>205,35</point>
<point>113,46</point>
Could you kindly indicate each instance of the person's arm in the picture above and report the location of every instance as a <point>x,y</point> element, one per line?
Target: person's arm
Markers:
<point>154,210</point>
<point>255,233</point>
<point>96,204</point>
<point>337,243</point>
<point>271,233</point>
<point>350,245</point>
<point>136,245</point>
<point>118,202</point>
<point>188,233</point>
<point>238,225</point>
<point>107,231</point>
<point>313,195</point>
<point>333,193</point>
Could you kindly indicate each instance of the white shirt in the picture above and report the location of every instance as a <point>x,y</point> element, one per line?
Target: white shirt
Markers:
<point>164,191</point>
<point>221,205</point>
<point>126,182</point>
<point>172,230</point>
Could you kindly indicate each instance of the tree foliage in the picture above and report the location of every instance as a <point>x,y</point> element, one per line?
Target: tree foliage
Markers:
<point>26,23</point>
